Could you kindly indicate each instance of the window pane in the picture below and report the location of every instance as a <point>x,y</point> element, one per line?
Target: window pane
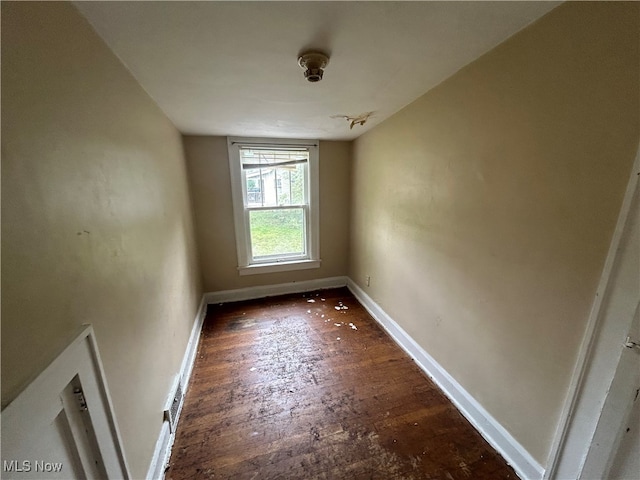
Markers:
<point>277,232</point>
<point>275,186</point>
<point>254,188</point>
<point>297,185</point>
<point>274,177</point>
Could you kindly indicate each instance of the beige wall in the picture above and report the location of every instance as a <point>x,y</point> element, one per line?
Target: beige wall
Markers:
<point>483,211</point>
<point>96,221</point>
<point>208,165</point>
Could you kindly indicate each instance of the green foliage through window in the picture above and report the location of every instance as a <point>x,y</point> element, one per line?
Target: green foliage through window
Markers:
<point>277,232</point>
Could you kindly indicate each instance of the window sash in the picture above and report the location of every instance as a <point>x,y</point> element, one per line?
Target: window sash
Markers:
<point>262,190</point>
<point>281,257</point>
<point>255,260</point>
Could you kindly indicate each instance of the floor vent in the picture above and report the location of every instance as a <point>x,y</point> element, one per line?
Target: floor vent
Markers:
<point>173,408</point>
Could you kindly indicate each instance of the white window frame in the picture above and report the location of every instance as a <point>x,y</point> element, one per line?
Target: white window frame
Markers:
<point>246,265</point>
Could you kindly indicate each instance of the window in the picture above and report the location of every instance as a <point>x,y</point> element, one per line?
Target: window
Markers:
<point>274,185</point>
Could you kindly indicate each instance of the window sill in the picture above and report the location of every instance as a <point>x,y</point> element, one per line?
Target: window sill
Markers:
<point>279,267</point>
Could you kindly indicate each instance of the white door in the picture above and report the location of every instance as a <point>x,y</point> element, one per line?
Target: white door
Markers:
<point>625,462</point>
<point>614,450</point>
<point>600,401</point>
<point>60,426</point>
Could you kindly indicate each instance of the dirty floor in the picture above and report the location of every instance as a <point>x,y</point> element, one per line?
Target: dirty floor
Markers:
<point>308,386</point>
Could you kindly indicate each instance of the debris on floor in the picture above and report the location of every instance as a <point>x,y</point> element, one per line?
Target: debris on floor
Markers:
<point>313,407</point>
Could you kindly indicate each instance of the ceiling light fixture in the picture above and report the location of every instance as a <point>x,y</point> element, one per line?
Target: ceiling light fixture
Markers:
<point>313,63</point>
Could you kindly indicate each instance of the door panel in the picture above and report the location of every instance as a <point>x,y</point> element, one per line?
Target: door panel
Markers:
<point>46,453</point>
<point>626,461</point>
<point>626,465</point>
<point>61,426</point>
<point>620,319</point>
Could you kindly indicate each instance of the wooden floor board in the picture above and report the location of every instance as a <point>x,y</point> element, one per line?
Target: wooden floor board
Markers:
<point>294,388</point>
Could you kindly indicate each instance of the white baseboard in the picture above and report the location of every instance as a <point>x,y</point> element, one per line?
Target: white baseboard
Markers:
<point>515,454</point>
<point>165,440</point>
<point>251,293</point>
<point>192,347</point>
<point>160,454</point>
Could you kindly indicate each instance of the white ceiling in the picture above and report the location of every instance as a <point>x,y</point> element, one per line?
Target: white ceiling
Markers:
<point>230,68</point>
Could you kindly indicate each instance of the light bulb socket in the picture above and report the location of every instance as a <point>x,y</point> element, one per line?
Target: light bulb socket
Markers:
<point>313,64</point>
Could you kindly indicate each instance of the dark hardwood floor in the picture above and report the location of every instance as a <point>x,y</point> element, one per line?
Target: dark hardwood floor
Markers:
<point>308,386</point>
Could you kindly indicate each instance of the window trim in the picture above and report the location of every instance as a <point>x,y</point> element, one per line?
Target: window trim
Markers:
<point>241,216</point>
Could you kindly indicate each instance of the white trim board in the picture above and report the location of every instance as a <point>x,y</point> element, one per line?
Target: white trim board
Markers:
<point>251,293</point>
<point>515,454</point>
<point>162,451</point>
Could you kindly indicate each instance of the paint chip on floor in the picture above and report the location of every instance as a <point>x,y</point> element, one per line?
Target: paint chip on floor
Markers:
<point>311,300</point>
<point>344,434</point>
